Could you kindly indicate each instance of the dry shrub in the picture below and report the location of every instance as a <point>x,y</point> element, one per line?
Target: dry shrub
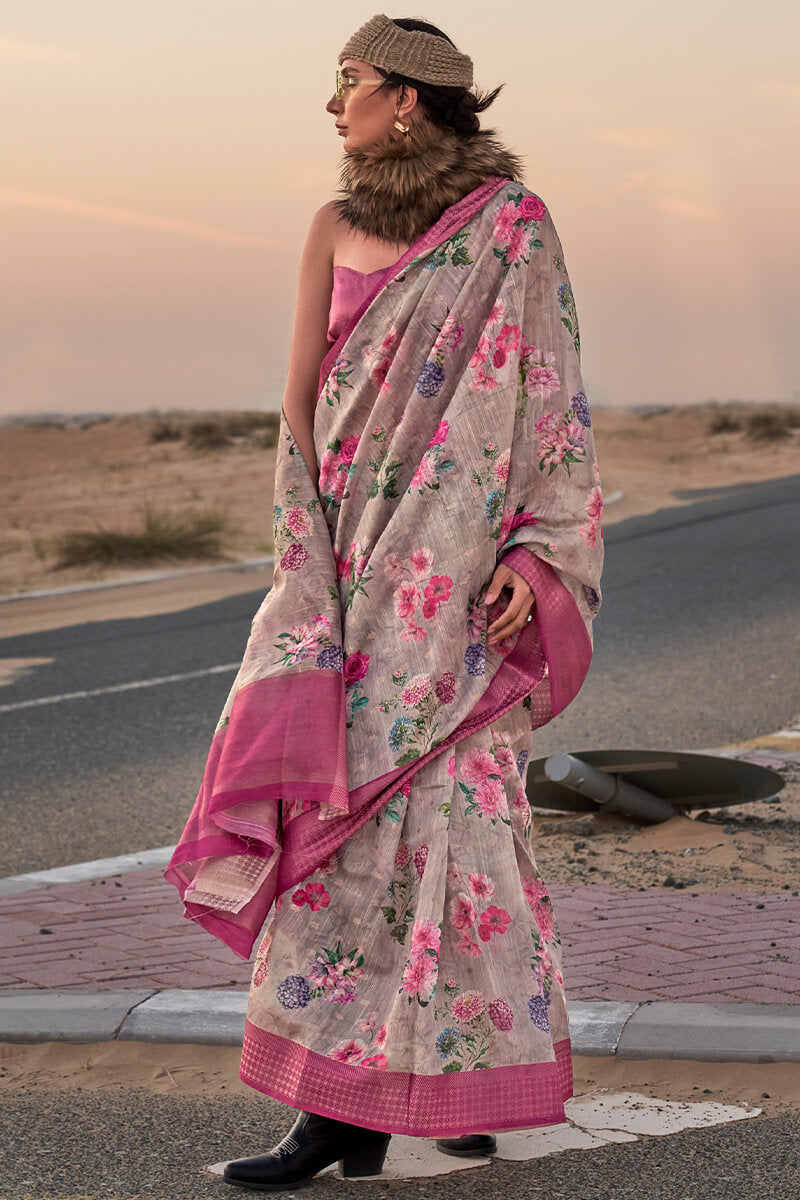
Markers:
<point>724,423</point>
<point>768,426</point>
<point>165,431</point>
<point>208,435</point>
<point>164,535</point>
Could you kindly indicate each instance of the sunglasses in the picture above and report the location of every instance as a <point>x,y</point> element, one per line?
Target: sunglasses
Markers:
<point>345,82</point>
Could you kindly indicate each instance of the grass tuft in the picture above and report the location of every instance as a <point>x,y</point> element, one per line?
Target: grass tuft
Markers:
<point>163,535</point>
<point>207,435</point>
<point>724,423</point>
<point>165,431</point>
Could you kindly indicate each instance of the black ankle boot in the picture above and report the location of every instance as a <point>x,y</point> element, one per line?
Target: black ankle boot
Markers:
<point>470,1146</point>
<point>312,1144</point>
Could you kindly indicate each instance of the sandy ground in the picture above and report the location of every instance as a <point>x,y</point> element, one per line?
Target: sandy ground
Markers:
<point>55,480</point>
<point>213,1071</point>
<point>745,847</point>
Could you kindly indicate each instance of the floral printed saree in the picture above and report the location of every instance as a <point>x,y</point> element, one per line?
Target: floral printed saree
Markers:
<point>364,788</point>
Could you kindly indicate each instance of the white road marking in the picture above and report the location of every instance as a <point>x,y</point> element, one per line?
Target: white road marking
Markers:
<point>135,685</point>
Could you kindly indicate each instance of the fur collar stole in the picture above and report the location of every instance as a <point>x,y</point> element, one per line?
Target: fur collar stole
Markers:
<point>397,190</point>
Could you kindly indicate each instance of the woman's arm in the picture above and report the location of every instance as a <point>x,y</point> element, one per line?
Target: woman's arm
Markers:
<point>309,335</point>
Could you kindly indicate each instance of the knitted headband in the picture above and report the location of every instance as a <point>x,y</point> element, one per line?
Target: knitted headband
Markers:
<point>422,56</point>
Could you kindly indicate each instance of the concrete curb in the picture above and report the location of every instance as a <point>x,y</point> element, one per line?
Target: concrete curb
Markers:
<point>250,564</point>
<point>758,1033</point>
<point>98,868</point>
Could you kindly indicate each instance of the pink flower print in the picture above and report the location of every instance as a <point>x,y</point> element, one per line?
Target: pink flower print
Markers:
<point>413,633</point>
<point>534,890</point>
<point>501,467</point>
<point>318,896</point>
<point>421,561</point>
<point>264,945</point>
<point>462,912</point>
<point>521,799</point>
<point>298,521</point>
<point>493,920</point>
<point>339,484</point>
<point>403,856</point>
<point>261,973</point>
<point>440,436</point>
<point>481,886</point>
<point>368,1023</point>
<point>378,1061</point>
<point>468,947</point>
<point>501,1015</point>
<point>532,208</point>
<point>348,1052</point>
<point>393,567</point>
<point>348,448</point>
<point>499,357</point>
<point>504,220</point>
<point>505,756</point>
<point>429,608</point>
<point>446,688</point>
<point>523,518</point>
<point>498,312</point>
<point>439,588</point>
<point>425,473</point>
<point>483,382</point>
<point>416,690</point>
<point>407,598</point>
<point>468,1006</point>
<point>594,508</point>
<point>425,935</point>
<point>589,533</point>
<point>356,666</point>
<point>419,975</point>
<point>491,799</point>
<point>328,466</point>
<point>477,765</point>
<point>342,564</point>
<point>420,858</point>
<point>508,338</point>
<point>380,1037</point>
<point>450,334</point>
<point>481,352</point>
<point>315,895</point>
<point>303,644</point>
<point>453,876</point>
<point>543,377</point>
<point>391,341</point>
<point>451,765</point>
<point>518,243</point>
<point>545,919</point>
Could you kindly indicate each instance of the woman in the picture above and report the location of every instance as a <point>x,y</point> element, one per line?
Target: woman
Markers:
<point>438,554</point>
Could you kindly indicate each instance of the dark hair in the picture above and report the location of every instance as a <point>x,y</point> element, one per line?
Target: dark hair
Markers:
<point>452,107</point>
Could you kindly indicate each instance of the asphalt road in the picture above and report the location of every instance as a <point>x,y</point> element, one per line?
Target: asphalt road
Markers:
<point>695,646</point>
<point>133,1144</point>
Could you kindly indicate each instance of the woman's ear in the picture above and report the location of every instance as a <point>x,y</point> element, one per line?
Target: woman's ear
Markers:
<point>406,101</point>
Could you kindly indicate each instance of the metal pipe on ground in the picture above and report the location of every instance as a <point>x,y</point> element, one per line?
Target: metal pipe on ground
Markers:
<point>610,791</point>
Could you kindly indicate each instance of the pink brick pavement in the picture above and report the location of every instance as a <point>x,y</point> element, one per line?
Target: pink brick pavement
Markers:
<point>619,943</point>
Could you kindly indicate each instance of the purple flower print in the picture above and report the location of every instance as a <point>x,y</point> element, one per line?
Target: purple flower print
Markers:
<point>537,1008</point>
<point>294,558</point>
<point>580,406</point>
<point>522,759</point>
<point>330,659</point>
<point>592,598</point>
<point>431,379</point>
<point>475,659</point>
<point>293,992</point>
<point>446,688</point>
<point>420,858</point>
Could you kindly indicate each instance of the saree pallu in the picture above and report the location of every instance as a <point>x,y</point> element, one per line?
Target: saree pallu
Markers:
<point>366,776</point>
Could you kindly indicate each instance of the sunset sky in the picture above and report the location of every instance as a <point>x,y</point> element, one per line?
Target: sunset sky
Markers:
<point>160,163</point>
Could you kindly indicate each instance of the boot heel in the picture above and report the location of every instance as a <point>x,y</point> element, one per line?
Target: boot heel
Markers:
<point>367,1160</point>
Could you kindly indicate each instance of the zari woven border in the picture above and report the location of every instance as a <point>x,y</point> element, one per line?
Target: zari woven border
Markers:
<point>418,1105</point>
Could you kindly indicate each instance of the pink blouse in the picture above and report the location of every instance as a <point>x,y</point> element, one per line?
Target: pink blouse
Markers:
<point>350,289</point>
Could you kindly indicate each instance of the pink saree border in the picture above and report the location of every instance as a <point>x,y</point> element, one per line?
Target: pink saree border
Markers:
<point>518,1097</point>
<point>451,220</point>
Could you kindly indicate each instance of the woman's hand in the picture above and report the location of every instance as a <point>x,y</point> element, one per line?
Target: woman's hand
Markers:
<point>519,606</point>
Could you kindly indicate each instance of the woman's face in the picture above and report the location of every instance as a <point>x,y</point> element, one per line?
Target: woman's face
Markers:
<point>365,113</point>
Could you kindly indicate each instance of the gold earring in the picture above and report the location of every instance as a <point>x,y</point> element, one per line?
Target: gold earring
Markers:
<point>403,128</point>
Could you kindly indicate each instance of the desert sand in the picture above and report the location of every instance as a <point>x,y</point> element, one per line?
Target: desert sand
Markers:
<point>56,479</point>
